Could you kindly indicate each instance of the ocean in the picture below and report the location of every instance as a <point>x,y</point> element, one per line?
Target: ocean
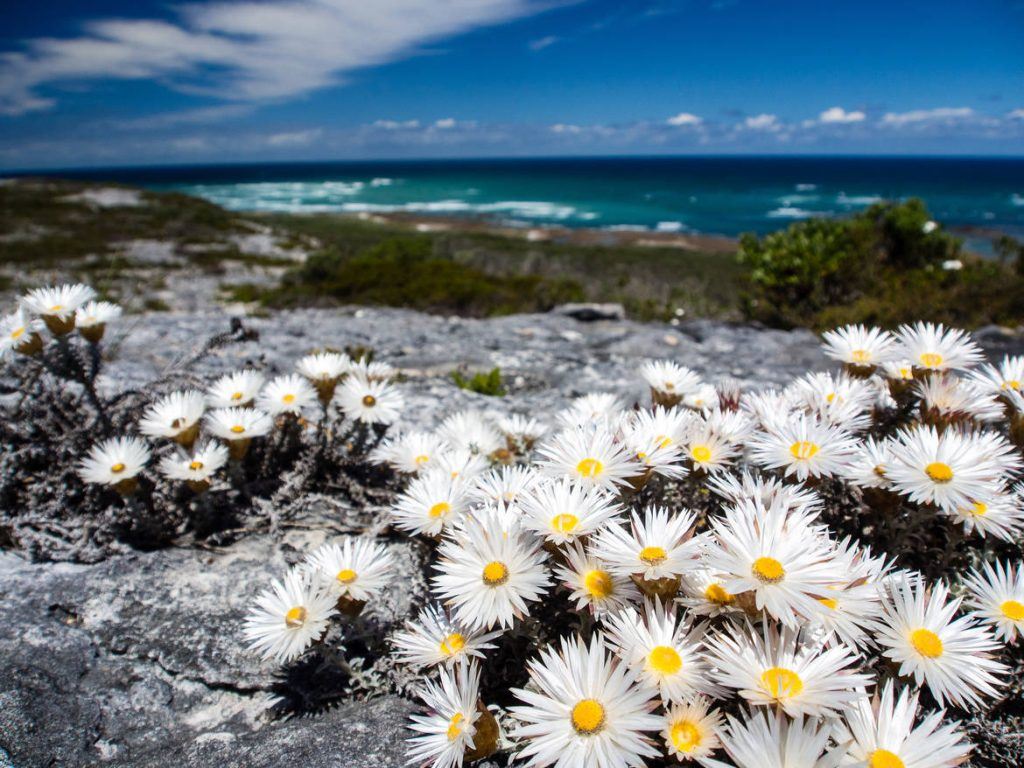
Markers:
<point>709,195</point>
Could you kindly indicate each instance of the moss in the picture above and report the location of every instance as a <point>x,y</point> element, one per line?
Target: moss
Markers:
<point>489,383</point>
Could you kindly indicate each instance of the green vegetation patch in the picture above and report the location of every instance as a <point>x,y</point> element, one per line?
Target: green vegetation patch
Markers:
<point>489,383</point>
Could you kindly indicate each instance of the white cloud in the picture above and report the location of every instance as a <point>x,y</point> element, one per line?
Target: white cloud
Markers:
<point>396,125</point>
<point>445,122</point>
<point>840,115</point>
<point>565,128</point>
<point>1017,114</point>
<point>684,118</point>
<point>245,51</point>
<point>762,123</point>
<point>200,116</point>
<point>940,114</point>
<point>294,138</point>
<point>543,42</point>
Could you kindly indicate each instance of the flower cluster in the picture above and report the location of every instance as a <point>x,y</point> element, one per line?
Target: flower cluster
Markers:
<point>746,630</point>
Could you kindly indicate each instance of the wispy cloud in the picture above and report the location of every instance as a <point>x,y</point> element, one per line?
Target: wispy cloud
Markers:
<point>683,119</point>
<point>840,115</point>
<point>762,122</point>
<point>544,42</point>
<point>1017,114</point>
<point>294,138</point>
<point>200,116</point>
<point>939,114</point>
<point>396,125</point>
<point>249,51</point>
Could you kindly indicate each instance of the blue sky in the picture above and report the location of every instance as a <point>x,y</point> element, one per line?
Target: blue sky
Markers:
<point>114,82</point>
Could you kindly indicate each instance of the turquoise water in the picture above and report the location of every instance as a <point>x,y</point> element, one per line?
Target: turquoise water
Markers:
<point>707,195</point>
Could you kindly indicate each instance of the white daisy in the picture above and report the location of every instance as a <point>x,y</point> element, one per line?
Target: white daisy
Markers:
<point>1000,514</point>
<point>432,502</point>
<point>946,399</point>
<point>949,470</point>
<point>471,431</point>
<point>932,347</point>
<point>735,427</point>
<point>238,426</point>
<point>590,456</point>
<point>691,730</point>
<point>867,467</point>
<point>57,305</point>
<point>703,594</point>
<point>662,651</point>
<point>953,657</point>
<point>289,616</point>
<point>91,320</point>
<point>19,332</point>
<point>286,394</point>
<point>488,571</point>
<point>115,462</point>
<point>462,465</point>
<point>357,569</point>
<point>411,452</point>
<point>763,740</point>
<point>841,400</point>
<point>521,432</point>
<point>562,510</point>
<point>1008,376</point>
<point>195,469</point>
<point>235,390</point>
<point>767,490</point>
<point>707,450</point>
<point>507,485</point>
<point>324,370</point>
<point>456,727</point>
<point>775,553</point>
<point>584,708</point>
<point>595,409</point>
<point>787,670</point>
<point>859,347</point>
<point>175,416</point>
<point>434,639</point>
<point>592,583</point>
<point>804,447</point>
<point>657,453</point>
<point>370,401</point>
<point>704,398</point>
<point>997,597</point>
<point>371,370</point>
<point>658,548</point>
<point>669,381</point>
<point>880,733</point>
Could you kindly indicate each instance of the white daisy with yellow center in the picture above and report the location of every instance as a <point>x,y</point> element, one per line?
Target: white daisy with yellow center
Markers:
<point>358,568</point>
<point>324,366</point>
<point>432,502</point>
<point>472,431</point>
<point>947,399</point>
<point>175,416</point>
<point>504,485</point>
<point>1000,514</point>
<point>592,583</point>
<point>691,729</point>
<point>589,455</point>
<point>114,461</point>
<point>770,740</point>
<point>369,401</point>
<point>880,733</point>
<point>952,656</point>
<point>57,305</point>
<point>1001,380</point>
<point>563,510</point>
<point>662,651</point>
<point>996,594</point>
<point>20,332</point>
<point>708,451</point>
<point>433,638</point>
<point>583,707</point>
<point>658,545</point>
<point>235,390</point>
<point>704,594</point>
<point>238,424</point>
<point>489,570</point>
<point>289,616</point>
<point>454,722</point>
<point>859,347</point>
<point>196,467</point>
<point>804,447</point>
<point>933,347</point>
<point>783,669</point>
<point>669,381</point>
<point>868,467</point>
<point>410,453</point>
<point>286,394</point>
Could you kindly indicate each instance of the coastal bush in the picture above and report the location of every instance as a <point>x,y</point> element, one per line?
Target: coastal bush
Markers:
<point>888,264</point>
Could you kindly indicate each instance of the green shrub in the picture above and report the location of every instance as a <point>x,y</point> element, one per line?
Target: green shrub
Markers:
<point>489,383</point>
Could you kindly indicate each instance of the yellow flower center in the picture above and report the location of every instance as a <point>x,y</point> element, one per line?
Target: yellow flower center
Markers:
<point>906,373</point>
<point>588,716</point>
<point>117,468</point>
<point>421,460</point>
<point>495,573</point>
<point>883,758</point>
<point>803,450</point>
<point>56,307</point>
<point>829,602</point>
<point>589,468</point>
<point>860,356</point>
<point>700,453</point>
<point>879,470</point>
<point>978,509</point>
<point>440,509</point>
<point>1013,610</point>
<point>685,736</point>
<point>670,386</point>
<point>768,570</point>
<point>452,644</point>
<point>830,397</point>
<point>17,332</point>
<point>663,441</point>
<point>238,429</point>
<point>781,683</point>
<point>369,401</point>
<point>564,523</point>
<point>653,555</point>
<point>289,398</point>
<point>930,359</point>
<point>195,465</point>
<point>295,617</point>
<point>237,395</point>
<point>939,472</point>
<point>715,593</point>
<point>1010,384</point>
<point>455,726</point>
<point>346,576</point>
<point>665,660</point>
<point>926,642</point>
<point>599,584</point>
